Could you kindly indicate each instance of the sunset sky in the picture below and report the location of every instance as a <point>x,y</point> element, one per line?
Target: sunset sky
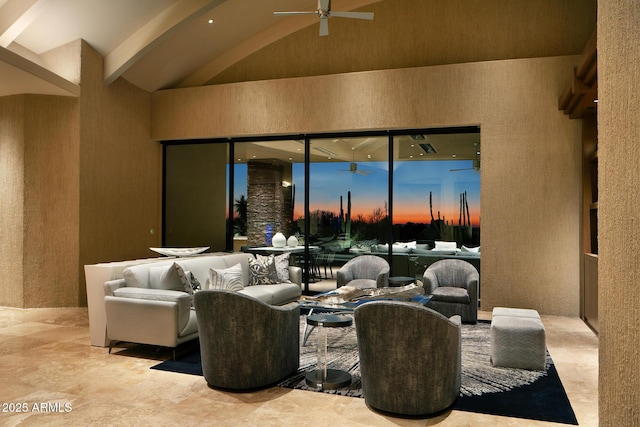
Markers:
<point>412,183</point>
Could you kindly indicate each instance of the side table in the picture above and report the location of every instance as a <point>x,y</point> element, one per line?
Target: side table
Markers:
<point>322,377</point>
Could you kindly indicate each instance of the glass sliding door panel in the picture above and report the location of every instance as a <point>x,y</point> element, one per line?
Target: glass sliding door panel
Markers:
<point>194,191</point>
<point>436,195</point>
<point>348,197</point>
<point>265,190</point>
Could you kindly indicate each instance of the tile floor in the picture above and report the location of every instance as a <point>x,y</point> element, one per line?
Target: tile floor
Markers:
<point>49,369</point>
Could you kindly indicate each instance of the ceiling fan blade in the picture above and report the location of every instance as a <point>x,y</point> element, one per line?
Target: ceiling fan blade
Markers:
<point>294,13</point>
<point>324,26</point>
<point>324,5</point>
<point>356,15</point>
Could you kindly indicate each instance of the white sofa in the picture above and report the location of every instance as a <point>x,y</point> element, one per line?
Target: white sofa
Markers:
<point>142,313</point>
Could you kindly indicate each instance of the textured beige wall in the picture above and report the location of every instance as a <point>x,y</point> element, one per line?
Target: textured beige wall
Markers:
<point>39,198</point>
<point>120,170</point>
<point>11,199</point>
<point>81,184</point>
<point>196,183</point>
<point>418,33</point>
<point>531,170</point>
<point>619,211</point>
<point>51,202</point>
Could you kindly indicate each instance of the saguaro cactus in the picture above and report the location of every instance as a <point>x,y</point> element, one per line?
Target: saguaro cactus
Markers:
<point>347,224</point>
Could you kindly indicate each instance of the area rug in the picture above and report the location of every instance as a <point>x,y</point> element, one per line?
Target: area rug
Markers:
<point>485,389</point>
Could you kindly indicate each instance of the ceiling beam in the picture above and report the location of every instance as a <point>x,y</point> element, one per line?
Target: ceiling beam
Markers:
<point>39,72</point>
<point>16,16</point>
<point>155,31</point>
<point>577,98</point>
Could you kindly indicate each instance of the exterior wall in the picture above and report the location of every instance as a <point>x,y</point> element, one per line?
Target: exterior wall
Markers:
<point>120,170</point>
<point>11,200</point>
<point>531,153</point>
<point>619,211</point>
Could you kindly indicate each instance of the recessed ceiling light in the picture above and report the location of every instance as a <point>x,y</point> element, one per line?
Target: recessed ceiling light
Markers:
<point>211,21</point>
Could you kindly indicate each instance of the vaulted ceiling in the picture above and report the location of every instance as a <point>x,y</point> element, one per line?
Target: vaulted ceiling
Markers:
<point>159,44</point>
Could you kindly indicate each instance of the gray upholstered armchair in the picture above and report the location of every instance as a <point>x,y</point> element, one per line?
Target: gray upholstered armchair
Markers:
<point>410,357</point>
<point>453,284</point>
<point>364,272</point>
<point>244,342</point>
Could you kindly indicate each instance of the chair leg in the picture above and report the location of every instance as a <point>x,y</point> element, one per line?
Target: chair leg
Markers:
<point>113,344</point>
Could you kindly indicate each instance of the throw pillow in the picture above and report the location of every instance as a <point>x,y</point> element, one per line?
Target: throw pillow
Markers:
<point>165,278</point>
<point>195,283</point>
<point>136,276</point>
<point>262,271</point>
<point>227,278</point>
<point>185,278</point>
<point>282,266</point>
<point>445,246</point>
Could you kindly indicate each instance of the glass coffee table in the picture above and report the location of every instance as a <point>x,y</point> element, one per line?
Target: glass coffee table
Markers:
<point>345,299</point>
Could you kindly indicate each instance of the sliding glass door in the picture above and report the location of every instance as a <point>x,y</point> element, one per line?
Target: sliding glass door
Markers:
<point>348,198</point>
<point>392,194</point>
<point>436,197</point>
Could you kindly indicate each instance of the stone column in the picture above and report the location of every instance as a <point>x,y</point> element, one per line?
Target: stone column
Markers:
<point>269,207</point>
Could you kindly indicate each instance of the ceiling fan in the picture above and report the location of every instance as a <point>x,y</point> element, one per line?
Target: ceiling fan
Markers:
<point>476,162</point>
<point>324,12</point>
<point>353,166</point>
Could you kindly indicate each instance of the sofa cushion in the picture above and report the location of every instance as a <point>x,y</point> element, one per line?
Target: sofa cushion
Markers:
<point>226,278</point>
<point>166,277</point>
<point>191,326</point>
<point>150,294</point>
<point>137,276</point>
<point>363,283</point>
<point>451,294</point>
<point>274,294</point>
<point>262,271</point>
<point>282,266</point>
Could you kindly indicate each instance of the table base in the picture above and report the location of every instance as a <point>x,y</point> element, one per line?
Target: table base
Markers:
<point>335,379</point>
